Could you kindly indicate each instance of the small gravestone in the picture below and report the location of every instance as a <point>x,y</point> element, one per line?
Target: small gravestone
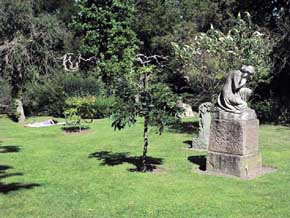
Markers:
<point>234,133</point>
<point>204,111</point>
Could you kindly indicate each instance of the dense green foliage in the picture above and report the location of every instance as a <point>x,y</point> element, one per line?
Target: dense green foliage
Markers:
<point>105,31</point>
<point>80,110</point>
<point>35,36</point>
<point>208,57</point>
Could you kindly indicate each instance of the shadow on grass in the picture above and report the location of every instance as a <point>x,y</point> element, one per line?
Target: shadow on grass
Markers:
<point>9,149</point>
<point>7,188</point>
<point>199,160</point>
<point>112,159</point>
<point>75,129</point>
<point>185,127</point>
<point>188,142</point>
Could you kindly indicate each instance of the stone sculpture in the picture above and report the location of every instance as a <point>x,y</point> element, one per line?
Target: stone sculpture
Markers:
<point>233,146</point>
<point>234,95</point>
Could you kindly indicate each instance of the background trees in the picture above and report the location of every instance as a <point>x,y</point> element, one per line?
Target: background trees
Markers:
<point>105,30</point>
<point>29,45</point>
<point>208,57</point>
<point>35,35</point>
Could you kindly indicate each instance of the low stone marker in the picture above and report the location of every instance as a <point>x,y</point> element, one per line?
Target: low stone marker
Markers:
<point>187,110</point>
<point>204,111</point>
<point>234,132</point>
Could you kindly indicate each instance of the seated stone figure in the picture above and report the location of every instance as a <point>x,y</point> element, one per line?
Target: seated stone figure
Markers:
<point>234,95</point>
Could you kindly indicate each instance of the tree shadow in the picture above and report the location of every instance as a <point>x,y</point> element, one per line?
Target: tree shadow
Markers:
<point>7,188</point>
<point>113,159</point>
<point>185,127</point>
<point>75,129</point>
<point>199,160</point>
<point>9,149</point>
<point>188,142</point>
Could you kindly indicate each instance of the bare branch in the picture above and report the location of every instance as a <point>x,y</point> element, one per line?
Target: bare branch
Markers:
<point>144,60</point>
<point>71,63</point>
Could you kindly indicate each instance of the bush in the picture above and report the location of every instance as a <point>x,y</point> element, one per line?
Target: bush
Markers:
<point>266,110</point>
<point>44,99</point>
<point>48,97</point>
<point>271,110</point>
<point>208,57</point>
<point>103,106</point>
<point>79,109</point>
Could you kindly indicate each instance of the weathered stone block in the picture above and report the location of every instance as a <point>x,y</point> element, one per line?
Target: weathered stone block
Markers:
<point>246,166</point>
<point>238,137</point>
<point>234,145</point>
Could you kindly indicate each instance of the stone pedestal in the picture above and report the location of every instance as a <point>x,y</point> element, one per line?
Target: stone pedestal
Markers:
<point>234,144</point>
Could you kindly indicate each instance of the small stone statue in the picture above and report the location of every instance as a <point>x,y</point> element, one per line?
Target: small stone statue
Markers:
<point>234,95</point>
<point>204,111</point>
<point>204,121</point>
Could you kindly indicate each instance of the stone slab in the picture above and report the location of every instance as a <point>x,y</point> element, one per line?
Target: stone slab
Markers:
<point>247,166</point>
<point>236,137</point>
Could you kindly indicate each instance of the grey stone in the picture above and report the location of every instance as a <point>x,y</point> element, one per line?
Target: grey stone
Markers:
<point>187,110</point>
<point>234,95</point>
<point>246,166</point>
<point>19,110</point>
<point>234,144</point>
<point>234,136</point>
<point>204,111</point>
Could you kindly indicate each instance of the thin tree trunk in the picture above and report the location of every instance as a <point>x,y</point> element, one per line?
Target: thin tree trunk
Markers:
<point>145,147</point>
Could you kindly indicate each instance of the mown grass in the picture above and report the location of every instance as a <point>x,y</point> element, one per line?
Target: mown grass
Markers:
<point>47,173</point>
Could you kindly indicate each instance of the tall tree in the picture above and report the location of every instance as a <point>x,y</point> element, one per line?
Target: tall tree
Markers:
<point>29,45</point>
<point>105,29</point>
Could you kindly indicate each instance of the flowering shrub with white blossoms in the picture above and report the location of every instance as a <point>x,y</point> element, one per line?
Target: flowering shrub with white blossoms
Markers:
<point>209,56</point>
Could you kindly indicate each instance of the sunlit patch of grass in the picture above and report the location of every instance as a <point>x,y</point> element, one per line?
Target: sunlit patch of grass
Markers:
<point>55,174</point>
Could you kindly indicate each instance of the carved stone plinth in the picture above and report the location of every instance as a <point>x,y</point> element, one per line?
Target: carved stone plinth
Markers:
<point>234,144</point>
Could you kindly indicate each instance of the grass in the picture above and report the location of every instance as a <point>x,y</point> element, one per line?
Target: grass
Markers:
<point>48,173</point>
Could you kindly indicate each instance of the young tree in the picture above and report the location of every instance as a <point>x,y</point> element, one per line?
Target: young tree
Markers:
<point>141,94</point>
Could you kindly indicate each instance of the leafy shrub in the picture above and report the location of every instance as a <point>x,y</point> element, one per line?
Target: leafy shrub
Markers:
<point>209,56</point>
<point>272,110</point>
<point>103,106</point>
<point>44,98</point>
<point>48,96</point>
<point>85,109</point>
<point>266,110</point>
<point>80,110</point>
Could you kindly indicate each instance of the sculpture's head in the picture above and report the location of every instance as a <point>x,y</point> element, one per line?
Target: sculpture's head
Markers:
<point>248,70</point>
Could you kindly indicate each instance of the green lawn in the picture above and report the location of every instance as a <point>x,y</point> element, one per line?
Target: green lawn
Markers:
<point>47,173</point>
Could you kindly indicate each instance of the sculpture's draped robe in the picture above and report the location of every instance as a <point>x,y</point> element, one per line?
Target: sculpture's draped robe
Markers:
<point>234,95</point>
